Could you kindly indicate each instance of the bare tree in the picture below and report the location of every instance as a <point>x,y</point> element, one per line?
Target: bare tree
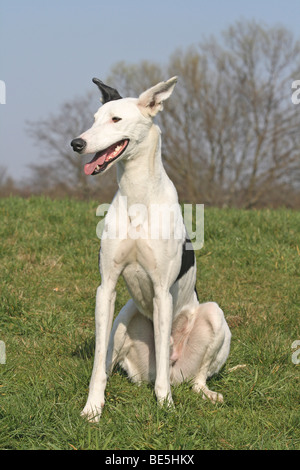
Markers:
<point>240,128</point>
<point>59,167</point>
<point>133,79</point>
<point>230,133</point>
<point>263,62</point>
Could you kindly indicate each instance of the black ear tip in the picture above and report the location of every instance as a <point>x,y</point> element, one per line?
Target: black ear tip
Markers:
<point>96,81</point>
<point>108,93</point>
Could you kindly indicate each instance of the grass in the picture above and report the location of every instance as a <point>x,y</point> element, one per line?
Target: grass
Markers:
<point>49,274</point>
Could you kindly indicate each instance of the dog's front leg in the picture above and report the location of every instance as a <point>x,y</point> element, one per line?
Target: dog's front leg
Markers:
<point>162,320</point>
<point>105,302</point>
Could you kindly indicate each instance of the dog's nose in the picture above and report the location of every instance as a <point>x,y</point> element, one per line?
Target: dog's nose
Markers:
<point>78,144</point>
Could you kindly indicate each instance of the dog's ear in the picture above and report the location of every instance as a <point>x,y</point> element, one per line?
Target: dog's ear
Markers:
<point>151,101</point>
<point>108,93</point>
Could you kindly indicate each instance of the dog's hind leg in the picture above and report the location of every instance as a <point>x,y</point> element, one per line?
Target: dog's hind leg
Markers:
<point>119,341</point>
<point>201,341</point>
<point>131,345</point>
<point>215,336</point>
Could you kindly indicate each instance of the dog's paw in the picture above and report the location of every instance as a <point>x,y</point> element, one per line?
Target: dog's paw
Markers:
<point>214,397</point>
<point>166,402</point>
<point>92,412</point>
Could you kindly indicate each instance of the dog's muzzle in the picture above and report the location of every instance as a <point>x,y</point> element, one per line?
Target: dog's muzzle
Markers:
<point>78,145</point>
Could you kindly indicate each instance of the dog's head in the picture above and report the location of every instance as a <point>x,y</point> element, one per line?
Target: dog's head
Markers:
<point>121,124</point>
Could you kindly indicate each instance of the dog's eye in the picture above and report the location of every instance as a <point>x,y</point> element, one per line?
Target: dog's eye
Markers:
<point>116,119</point>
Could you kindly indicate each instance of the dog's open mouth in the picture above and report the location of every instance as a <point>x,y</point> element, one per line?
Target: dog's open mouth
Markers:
<point>103,158</point>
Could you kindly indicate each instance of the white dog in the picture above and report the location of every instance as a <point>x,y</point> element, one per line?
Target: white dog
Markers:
<point>162,334</point>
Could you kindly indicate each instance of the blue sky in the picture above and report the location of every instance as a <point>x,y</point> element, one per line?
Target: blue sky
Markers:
<point>51,50</point>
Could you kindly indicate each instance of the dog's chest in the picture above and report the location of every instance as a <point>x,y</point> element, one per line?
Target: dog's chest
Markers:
<point>140,287</point>
<point>138,261</point>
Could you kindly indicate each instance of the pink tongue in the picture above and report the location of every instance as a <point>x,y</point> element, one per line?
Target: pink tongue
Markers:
<point>90,167</point>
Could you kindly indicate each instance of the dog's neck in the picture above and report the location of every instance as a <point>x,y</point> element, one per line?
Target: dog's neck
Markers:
<point>142,178</point>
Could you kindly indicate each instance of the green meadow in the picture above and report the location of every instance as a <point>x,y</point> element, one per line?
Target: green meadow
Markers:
<point>49,274</point>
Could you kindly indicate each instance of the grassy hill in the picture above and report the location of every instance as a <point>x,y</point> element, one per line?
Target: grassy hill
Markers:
<point>49,274</point>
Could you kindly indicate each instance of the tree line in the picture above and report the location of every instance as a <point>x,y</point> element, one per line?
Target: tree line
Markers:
<point>231,133</point>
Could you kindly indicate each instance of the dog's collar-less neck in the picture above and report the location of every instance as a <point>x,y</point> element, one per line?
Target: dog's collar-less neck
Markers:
<point>134,177</point>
